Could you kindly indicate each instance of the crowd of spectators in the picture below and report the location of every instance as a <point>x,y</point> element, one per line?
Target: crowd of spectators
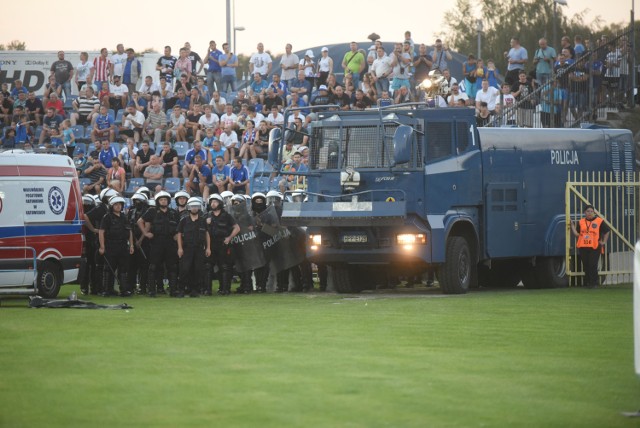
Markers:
<point>195,124</point>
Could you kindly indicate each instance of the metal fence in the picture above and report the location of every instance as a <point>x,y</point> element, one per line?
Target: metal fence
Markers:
<point>580,91</point>
<point>616,198</point>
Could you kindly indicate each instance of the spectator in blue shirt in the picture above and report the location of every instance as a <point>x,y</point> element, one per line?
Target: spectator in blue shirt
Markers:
<point>258,87</point>
<point>199,178</point>
<point>189,158</point>
<point>214,72</point>
<point>107,154</point>
<point>219,176</point>
<point>18,87</point>
<point>301,87</point>
<point>238,177</point>
<point>103,128</point>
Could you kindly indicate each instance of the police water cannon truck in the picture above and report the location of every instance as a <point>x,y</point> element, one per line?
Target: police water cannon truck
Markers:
<point>409,189</point>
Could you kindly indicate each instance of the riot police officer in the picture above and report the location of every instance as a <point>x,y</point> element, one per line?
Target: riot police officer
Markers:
<point>246,286</point>
<point>194,245</point>
<point>222,229</point>
<point>258,205</point>
<point>181,197</point>
<point>92,221</point>
<point>139,265</point>
<point>86,275</point>
<point>116,245</point>
<point>160,225</point>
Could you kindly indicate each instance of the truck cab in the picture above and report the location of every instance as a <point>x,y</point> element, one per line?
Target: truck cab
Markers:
<point>380,187</point>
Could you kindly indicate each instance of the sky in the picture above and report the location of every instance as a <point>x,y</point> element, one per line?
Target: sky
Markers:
<point>302,23</point>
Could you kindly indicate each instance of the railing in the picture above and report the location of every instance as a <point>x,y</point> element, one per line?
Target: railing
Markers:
<point>616,198</point>
<point>598,82</point>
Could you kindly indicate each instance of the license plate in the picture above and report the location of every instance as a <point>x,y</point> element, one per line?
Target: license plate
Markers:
<point>355,239</point>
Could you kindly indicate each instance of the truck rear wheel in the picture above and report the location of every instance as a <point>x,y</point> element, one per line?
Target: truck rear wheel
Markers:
<point>457,272</point>
<point>48,280</point>
<point>549,272</point>
<point>552,272</point>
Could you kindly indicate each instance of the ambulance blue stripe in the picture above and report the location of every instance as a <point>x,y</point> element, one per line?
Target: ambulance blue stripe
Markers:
<point>39,230</point>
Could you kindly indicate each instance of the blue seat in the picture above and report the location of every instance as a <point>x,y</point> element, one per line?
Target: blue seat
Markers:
<point>169,114</point>
<point>84,182</point>
<point>119,116</point>
<point>78,132</point>
<point>87,132</point>
<point>80,146</point>
<point>38,132</point>
<point>112,114</point>
<point>116,146</point>
<point>133,185</point>
<point>182,147</point>
<point>260,184</point>
<point>172,184</point>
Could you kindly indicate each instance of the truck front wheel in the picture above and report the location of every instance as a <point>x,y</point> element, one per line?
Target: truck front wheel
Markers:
<point>344,280</point>
<point>48,280</point>
<point>457,272</point>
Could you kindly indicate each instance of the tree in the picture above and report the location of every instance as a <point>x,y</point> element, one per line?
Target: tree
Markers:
<point>14,45</point>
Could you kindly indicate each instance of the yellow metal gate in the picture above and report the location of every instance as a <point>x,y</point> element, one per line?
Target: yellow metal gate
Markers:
<point>616,198</point>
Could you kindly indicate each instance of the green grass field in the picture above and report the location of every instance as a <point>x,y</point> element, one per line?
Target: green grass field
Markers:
<point>514,358</point>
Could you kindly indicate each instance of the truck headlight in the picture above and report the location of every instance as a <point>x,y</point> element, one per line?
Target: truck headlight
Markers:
<point>316,241</point>
<point>408,239</point>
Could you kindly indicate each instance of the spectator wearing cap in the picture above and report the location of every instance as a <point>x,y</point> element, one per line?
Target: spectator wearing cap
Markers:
<point>308,66</point>
<point>81,162</point>
<point>325,66</point>
<point>322,97</point>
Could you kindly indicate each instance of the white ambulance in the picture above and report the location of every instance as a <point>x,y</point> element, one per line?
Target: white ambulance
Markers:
<point>40,223</point>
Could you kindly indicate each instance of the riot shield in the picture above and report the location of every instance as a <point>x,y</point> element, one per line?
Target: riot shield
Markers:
<point>279,242</point>
<point>247,245</point>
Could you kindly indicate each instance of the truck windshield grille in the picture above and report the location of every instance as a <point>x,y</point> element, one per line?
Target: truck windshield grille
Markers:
<point>370,146</point>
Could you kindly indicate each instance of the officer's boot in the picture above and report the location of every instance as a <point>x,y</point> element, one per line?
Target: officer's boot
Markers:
<point>98,279</point>
<point>206,281</point>
<point>282,285</point>
<point>143,279</point>
<point>261,280</point>
<point>125,287</point>
<point>173,282</point>
<point>225,282</point>
<point>107,278</point>
<point>151,280</point>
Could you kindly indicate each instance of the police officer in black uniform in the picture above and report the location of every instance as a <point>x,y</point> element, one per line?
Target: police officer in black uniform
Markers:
<point>222,229</point>
<point>258,205</point>
<point>116,244</point>
<point>160,226</point>
<point>194,245</point>
<point>93,220</point>
<point>139,265</point>
<point>181,197</point>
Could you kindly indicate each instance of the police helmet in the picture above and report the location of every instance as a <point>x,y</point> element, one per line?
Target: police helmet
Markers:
<point>96,198</point>
<point>237,198</point>
<point>226,194</point>
<point>144,190</point>
<point>180,194</point>
<point>151,202</point>
<point>162,194</point>
<point>246,197</point>
<point>117,199</point>
<point>88,200</point>
<point>214,196</point>
<point>194,202</point>
<point>297,196</point>
<point>107,194</point>
<point>274,194</point>
<point>139,197</point>
<point>258,195</point>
